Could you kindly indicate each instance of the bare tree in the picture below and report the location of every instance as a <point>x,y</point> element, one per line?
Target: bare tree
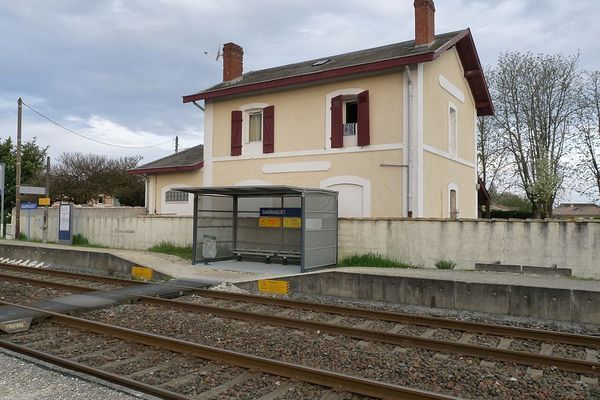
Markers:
<point>536,98</point>
<point>588,138</point>
<point>82,177</point>
<point>492,153</point>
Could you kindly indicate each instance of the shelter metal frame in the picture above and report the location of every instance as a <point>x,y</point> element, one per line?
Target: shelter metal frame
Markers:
<point>319,220</point>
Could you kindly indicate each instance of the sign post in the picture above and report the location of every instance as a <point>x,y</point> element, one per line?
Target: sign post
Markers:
<point>28,206</point>
<point>2,201</point>
<point>65,223</point>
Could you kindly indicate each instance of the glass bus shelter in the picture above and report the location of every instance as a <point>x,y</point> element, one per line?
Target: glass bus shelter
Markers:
<point>282,224</point>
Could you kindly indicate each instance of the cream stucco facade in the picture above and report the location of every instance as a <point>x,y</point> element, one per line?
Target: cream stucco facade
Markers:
<point>157,186</point>
<point>422,142</point>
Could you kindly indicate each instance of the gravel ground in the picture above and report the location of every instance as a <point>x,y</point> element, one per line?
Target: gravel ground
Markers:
<point>23,380</point>
<point>177,372</point>
<point>13,292</point>
<point>451,374</point>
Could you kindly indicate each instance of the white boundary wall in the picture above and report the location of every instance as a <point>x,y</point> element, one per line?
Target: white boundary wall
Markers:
<point>117,227</point>
<point>568,244</point>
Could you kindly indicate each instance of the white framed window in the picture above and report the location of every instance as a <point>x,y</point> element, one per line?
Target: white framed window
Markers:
<point>452,130</point>
<point>453,210</point>
<point>350,116</point>
<point>175,196</point>
<point>255,126</point>
<point>252,128</point>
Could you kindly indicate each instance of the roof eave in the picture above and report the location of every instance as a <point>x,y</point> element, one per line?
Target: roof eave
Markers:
<point>165,170</point>
<point>463,42</point>
<point>473,72</point>
<point>317,76</point>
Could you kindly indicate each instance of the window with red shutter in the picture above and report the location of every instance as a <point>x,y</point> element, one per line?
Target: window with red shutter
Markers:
<point>236,133</point>
<point>364,134</point>
<point>269,129</point>
<point>337,122</point>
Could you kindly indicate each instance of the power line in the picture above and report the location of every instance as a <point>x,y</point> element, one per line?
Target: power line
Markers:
<point>92,139</point>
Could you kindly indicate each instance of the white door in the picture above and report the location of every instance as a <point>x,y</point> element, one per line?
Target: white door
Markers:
<point>350,199</point>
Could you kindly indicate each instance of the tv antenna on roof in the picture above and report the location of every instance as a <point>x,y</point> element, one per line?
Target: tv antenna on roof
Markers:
<point>219,52</point>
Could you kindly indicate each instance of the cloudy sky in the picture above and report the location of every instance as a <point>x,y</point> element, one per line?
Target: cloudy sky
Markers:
<point>116,70</point>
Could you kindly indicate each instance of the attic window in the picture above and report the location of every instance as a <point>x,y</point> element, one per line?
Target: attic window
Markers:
<point>321,62</point>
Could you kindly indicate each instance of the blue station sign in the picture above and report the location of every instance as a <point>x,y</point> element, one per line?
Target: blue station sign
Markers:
<point>29,205</point>
<point>280,212</point>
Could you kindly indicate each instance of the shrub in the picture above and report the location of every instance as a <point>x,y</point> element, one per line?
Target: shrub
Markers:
<point>373,260</point>
<point>80,240</point>
<point>445,264</point>
<point>172,249</point>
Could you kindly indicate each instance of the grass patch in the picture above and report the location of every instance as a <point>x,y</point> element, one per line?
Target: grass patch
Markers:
<point>445,264</point>
<point>172,249</point>
<point>374,261</point>
<point>80,240</point>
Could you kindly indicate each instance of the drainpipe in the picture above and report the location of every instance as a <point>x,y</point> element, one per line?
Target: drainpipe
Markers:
<point>409,162</point>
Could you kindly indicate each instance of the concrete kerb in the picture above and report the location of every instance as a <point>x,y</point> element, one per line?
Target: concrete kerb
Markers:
<point>559,304</point>
<point>76,260</point>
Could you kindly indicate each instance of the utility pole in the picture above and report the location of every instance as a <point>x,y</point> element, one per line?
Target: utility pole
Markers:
<point>18,167</point>
<point>176,144</point>
<point>47,196</point>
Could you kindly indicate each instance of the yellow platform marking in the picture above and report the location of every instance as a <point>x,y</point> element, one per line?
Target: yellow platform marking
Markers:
<point>269,222</point>
<point>272,286</point>
<point>142,273</point>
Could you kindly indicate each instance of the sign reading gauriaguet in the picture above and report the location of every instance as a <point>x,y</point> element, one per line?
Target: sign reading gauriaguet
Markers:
<point>272,217</point>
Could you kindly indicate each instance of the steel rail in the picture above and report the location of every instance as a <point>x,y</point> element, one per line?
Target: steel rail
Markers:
<point>354,384</point>
<point>520,357</point>
<point>72,275</point>
<point>467,326</point>
<point>107,376</point>
<point>41,282</point>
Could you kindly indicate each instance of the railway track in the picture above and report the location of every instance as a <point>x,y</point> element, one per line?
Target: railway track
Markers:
<point>392,335</point>
<point>207,372</point>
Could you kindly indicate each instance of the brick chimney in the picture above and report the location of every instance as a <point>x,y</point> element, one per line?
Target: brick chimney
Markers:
<point>424,22</point>
<point>233,59</point>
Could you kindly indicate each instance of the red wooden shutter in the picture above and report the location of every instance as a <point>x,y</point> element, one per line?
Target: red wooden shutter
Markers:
<point>268,129</point>
<point>236,133</point>
<point>337,122</point>
<point>364,135</point>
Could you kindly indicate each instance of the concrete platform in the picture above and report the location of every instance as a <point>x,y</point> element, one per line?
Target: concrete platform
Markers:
<point>118,262</point>
<point>10,315</point>
<point>535,296</point>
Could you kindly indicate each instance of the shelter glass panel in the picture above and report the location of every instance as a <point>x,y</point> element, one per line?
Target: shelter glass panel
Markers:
<point>214,226</point>
<point>320,237</point>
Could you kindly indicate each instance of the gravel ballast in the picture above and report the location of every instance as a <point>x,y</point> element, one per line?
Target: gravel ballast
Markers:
<point>24,380</point>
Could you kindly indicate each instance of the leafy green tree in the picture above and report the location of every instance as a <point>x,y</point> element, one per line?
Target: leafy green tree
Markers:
<point>33,163</point>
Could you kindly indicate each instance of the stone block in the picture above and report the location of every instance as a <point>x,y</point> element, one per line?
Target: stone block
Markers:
<point>498,267</point>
